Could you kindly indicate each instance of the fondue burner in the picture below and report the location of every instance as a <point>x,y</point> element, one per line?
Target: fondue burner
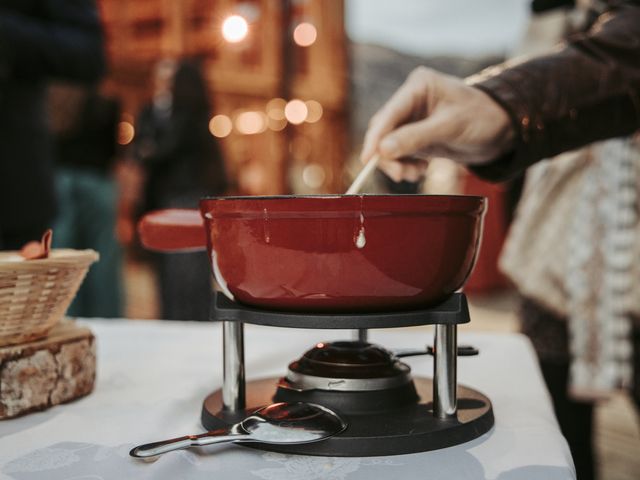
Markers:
<point>351,377</point>
<point>388,411</point>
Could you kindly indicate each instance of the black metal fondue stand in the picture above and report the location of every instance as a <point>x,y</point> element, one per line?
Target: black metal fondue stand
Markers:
<point>387,410</point>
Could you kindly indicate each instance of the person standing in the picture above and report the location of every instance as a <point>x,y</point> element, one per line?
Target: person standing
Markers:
<point>573,248</point>
<point>84,124</point>
<point>39,40</point>
<point>182,163</point>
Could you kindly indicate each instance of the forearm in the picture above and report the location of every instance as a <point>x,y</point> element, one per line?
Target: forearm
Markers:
<point>586,91</point>
<point>67,44</point>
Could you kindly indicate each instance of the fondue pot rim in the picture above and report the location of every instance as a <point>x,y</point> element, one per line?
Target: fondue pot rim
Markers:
<point>320,206</point>
<point>338,196</point>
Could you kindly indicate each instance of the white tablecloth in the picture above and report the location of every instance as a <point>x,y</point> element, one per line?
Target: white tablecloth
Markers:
<point>153,376</point>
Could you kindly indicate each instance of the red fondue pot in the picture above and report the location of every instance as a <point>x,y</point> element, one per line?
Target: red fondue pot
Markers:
<point>342,253</point>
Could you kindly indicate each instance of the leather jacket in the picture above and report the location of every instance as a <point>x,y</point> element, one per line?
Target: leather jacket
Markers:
<point>584,91</point>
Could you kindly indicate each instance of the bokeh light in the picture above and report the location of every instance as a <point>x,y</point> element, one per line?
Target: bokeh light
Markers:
<point>250,123</point>
<point>275,108</point>
<point>314,111</point>
<point>126,133</point>
<point>276,125</point>
<point>296,111</point>
<point>305,34</point>
<point>220,126</point>
<point>235,28</point>
<point>314,175</point>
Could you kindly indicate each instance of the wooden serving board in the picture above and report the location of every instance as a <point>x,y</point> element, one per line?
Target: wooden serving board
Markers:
<point>39,374</point>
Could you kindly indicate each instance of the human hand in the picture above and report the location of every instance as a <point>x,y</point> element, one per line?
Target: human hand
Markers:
<point>436,115</point>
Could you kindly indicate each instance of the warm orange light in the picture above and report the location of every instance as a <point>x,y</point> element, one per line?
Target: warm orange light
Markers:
<point>220,126</point>
<point>275,108</point>
<point>305,34</point>
<point>314,175</point>
<point>235,28</point>
<point>126,132</point>
<point>249,123</point>
<point>276,125</point>
<point>296,111</point>
<point>314,111</point>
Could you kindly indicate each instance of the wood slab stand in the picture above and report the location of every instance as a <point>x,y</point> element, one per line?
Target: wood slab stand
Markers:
<point>46,372</point>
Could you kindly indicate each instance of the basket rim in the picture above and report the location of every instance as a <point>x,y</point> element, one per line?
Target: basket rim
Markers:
<point>56,255</point>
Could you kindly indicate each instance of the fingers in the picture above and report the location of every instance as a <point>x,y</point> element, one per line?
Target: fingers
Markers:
<point>397,110</point>
<point>411,170</point>
<point>414,172</point>
<point>434,114</point>
<point>414,139</point>
<point>392,168</point>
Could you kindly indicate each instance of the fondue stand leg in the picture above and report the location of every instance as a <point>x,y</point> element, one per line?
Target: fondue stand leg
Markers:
<point>361,334</point>
<point>444,371</point>
<point>233,386</point>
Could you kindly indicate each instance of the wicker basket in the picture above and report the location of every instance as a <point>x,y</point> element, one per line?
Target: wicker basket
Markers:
<point>35,294</point>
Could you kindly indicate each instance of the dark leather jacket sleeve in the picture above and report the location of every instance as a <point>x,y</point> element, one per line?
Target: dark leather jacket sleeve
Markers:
<point>587,90</point>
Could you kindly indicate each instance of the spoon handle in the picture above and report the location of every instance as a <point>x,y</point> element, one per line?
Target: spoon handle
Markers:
<point>363,175</point>
<point>158,448</point>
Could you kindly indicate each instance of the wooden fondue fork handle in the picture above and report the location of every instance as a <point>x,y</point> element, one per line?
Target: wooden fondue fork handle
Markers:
<point>173,230</point>
<point>366,171</point>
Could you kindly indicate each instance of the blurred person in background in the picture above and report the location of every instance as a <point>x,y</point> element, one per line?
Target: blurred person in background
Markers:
<point>572,253</point>
<point>84,124</point>
<point>39,40</point>
<point>182,162</point>
<point>574,247</point>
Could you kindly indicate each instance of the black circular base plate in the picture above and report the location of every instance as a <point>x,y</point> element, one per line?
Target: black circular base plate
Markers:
<point>409,429</point>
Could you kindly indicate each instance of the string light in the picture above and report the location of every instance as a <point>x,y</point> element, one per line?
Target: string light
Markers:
<point>296,111</point>
<point>235,28</point>
<point>305,34</point>
<point>314,176</point>
<point>275,108</point>
<point>278,113</point>
<point>250,123</point>
<point>276,125</point>
<point>126,133</point>
<point>314,110</point>
<point>220,126</point>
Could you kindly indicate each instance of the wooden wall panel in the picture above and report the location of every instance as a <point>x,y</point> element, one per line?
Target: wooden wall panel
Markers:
<point>243,76</point>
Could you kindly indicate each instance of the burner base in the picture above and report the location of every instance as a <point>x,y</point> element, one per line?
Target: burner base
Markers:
<point>404,430</point>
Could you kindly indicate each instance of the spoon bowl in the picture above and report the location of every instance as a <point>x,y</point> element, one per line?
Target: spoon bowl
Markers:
<point>280,423</point>
<point>292,423</point>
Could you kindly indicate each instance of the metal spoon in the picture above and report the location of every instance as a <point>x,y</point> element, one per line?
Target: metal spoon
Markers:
<point>280,423</point>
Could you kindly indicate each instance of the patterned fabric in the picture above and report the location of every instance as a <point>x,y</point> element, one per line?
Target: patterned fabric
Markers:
<point>572,250</point>
<point>549,335</point>
<point>600,269</point>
